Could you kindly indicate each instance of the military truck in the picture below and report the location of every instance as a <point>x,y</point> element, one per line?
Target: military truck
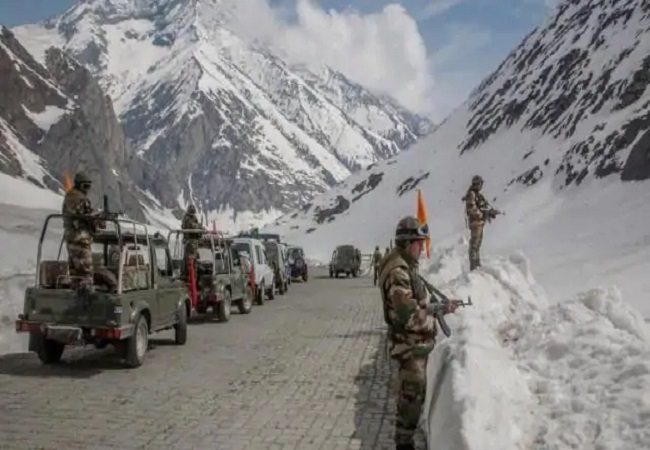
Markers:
<point>345,259</point>
<point>149,297</point>
<point>218,279</point>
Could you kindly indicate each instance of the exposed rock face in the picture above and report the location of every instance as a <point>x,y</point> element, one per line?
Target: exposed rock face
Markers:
<point>218,120</point>
<point>56,120</point>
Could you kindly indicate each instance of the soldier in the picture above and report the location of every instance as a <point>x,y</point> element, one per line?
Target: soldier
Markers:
<point>191,222</point>
<point>376,260</point>
<point>411,325</point>
<point>78,235</point>
<point>478,210</point>
<point>386,252</point>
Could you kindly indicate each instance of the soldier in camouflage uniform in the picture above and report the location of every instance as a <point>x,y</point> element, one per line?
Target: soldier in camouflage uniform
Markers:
<point>411,325</point>
<point>477,210</point>
<point>78,235</point>
<point>376,260</point>
<point>191,222</point>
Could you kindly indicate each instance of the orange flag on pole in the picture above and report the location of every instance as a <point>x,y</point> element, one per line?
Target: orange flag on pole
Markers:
<point>424,220</point>
<point>68,182</point>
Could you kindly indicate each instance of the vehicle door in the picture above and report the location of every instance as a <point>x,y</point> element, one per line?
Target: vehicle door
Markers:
<point>237,278</point>
<point>266,271</point>
<point>167,290</point>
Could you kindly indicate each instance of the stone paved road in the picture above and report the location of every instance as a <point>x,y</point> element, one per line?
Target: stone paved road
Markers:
<point>305,371</point>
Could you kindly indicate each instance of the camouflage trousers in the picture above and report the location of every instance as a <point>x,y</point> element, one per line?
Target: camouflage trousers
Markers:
<point>475,240</point>
<point>80,261</point>
<point>411,391</point>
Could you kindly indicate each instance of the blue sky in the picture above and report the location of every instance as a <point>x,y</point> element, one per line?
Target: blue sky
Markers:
<point>464,39</point>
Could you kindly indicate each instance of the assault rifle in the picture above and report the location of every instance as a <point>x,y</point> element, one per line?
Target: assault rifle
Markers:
<point>441,302</point>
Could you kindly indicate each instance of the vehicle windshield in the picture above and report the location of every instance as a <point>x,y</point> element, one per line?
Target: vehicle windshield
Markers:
<point>271,250</point>
<point>346,251</point>
<point>295,253</point>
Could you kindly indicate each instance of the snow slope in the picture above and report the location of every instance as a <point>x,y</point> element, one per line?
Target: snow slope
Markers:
<point>560,134</point>
<point>521,372</point>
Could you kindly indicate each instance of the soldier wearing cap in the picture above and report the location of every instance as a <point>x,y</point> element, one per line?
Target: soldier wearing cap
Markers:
<point>78,235</point>
<point>477,210</point>
<point>411,325</point>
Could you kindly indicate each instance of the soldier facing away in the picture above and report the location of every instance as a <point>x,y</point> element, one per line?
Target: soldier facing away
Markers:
<point>376,260</point>
<point>78,235</point>
<point>411,325</point>
<point>477,210</point>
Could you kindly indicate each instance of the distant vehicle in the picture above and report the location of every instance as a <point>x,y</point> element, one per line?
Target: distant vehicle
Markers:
<point>219,280</point>
<point>345,259</point>
<point>149,297</point>
<point>261,269</point>
<point>297,263</point>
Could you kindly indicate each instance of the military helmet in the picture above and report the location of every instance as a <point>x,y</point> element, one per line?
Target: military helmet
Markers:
<point>477,179</point>
<point>82,178</point>
<point>191,209</point>
<point>409,229</point>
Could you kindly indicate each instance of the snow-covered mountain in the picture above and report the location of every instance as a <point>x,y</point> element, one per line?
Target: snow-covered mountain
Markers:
<point>220,120</point>
<point>560,134</point>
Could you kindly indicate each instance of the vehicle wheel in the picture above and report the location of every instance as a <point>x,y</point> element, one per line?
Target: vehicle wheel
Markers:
<point>180,329</point>
<point>331,274</point>
<point>137,345</point>
<point>224,307</point>
<point>282,289</point>
<point>286,286</point>
<point>271,293</point>
<point>245,305</point>
<point>355,273</point>
<point>261,294</point>
<point>305,277</point>
<point>49,351</point>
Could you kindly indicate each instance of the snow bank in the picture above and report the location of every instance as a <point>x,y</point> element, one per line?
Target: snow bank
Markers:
<point>522,373</point>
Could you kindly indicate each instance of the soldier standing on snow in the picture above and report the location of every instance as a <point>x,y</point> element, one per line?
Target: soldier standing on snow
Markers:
<point>477,210</point>
<point>376,260</point>
<point>78,235</point>
<point>411,325</point>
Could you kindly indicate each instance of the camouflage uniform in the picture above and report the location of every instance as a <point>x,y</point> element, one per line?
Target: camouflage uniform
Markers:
<point>376,260</point>
<point>411,330</point>
<point>475,207</point>
<point>78,235</point>
<point>191,222</point>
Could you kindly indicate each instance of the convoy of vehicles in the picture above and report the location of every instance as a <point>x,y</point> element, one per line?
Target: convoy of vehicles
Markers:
<point>155,288</point>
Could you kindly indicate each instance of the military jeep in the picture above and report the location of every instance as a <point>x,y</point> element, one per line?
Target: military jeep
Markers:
<point>345,259</point>
<point>218,280</point>
<point>276,256</point>
<point>148,297</point>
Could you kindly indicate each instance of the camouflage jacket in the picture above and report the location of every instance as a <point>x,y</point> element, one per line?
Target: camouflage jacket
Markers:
<point>376,258</point>
<point>412,331</point>
<point>475,205</point>
<point>78,230</point>
<point>191,222</point>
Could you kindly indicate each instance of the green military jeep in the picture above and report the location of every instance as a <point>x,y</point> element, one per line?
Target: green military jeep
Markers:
<point>218,280</point>
<point>149,298</point>
<point>345,259</point>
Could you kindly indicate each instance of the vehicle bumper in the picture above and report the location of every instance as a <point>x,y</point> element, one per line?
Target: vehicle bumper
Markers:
<point>73,334</point>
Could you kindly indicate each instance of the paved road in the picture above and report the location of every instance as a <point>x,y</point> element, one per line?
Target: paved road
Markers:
<point>305,371</point>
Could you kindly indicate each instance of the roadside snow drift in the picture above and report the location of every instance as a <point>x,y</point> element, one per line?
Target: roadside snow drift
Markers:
<point>522,373</point>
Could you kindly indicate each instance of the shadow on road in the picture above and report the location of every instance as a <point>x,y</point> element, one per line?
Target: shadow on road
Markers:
<point>75,364</point>
<point>374,415</point>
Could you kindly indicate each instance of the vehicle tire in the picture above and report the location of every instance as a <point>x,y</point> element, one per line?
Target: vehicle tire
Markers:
<point>261,294</point>
<point>305,277</point>
<point>137,345</point>
<point>49,351</point>
<point>180,329</point>
<point>282,288</point>
<point>245,305</point>
<point>286,286</point>
<point>271,293</point>
<point>331,274</point>
<point>224,307</point>
<point>355,273</point>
